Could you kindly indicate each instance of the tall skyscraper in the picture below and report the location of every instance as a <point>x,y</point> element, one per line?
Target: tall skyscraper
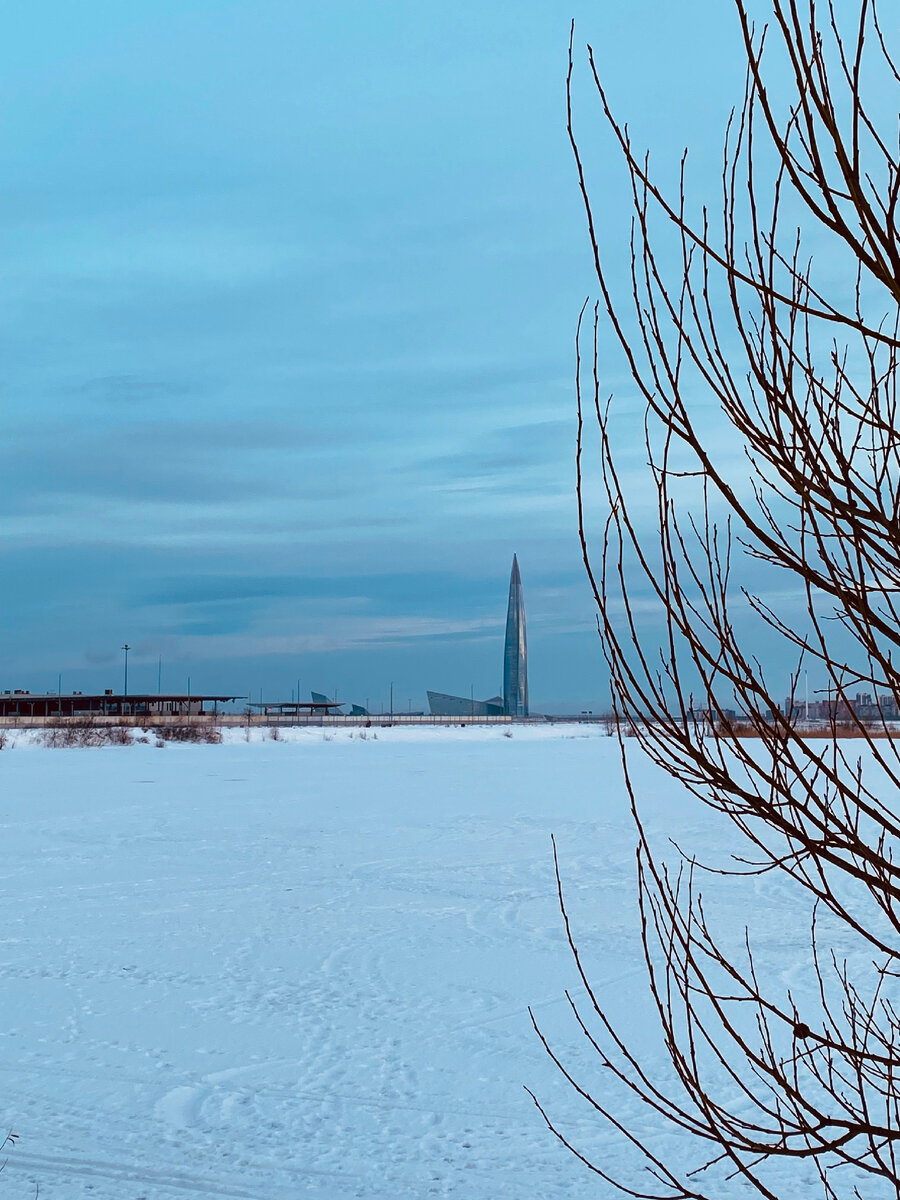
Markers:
<point>515,652</point>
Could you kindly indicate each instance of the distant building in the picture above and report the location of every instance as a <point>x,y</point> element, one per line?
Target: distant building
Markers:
<point>514,701</point>
<point>515,650</point>
<point>442,705</point>
<point>863,707</point>
<point>109,704</point>
<point>296,707</point>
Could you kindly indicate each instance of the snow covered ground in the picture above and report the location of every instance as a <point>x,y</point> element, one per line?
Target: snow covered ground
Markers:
<point>273,970</point>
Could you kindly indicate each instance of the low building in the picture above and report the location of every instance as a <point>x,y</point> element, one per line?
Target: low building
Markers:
<point>442,705</point>
<point>108,704</point>
<point>296,708</point>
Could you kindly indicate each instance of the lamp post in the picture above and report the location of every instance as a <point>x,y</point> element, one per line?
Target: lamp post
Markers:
<point>126,648</point>
<point>392,698</point>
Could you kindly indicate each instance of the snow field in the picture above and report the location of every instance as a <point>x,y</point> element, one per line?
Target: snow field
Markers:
<point>279,970</point>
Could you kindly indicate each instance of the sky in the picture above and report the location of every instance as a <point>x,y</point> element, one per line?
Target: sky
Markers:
<point>287,311</point>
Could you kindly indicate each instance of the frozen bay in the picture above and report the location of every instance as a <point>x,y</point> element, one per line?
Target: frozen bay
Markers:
<point>301,968</point>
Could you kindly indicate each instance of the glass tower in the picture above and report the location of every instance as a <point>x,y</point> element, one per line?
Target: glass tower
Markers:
<point>515,652</point>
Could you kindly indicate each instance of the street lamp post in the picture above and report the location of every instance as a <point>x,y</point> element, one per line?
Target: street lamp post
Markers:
<point>126,648</point>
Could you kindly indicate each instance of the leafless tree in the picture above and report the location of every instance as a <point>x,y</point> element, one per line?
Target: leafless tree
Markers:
<point>799,353</point>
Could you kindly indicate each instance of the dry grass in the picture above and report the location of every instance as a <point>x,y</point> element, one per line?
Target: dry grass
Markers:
<point>210,734</point>
<point>84,733</point>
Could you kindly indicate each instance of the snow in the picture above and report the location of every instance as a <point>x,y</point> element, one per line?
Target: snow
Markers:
<point>273,970</point>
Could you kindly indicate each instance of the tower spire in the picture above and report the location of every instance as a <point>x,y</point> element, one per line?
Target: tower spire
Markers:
<point>515,651</point>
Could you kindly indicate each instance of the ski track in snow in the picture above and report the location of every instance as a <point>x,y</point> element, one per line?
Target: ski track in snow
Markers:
<point>301,969</point>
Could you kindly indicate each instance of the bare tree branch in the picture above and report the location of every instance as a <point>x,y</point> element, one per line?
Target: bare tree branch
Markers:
<point>804,371</point>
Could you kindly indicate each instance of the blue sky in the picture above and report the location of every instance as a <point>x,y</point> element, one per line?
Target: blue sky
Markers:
<point>288,301</point>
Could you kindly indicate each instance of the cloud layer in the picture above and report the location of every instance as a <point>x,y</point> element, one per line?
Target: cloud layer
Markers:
<point>286,314</point>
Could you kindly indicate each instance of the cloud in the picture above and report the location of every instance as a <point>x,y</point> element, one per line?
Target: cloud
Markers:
<point>522,450</point>
<point>338,634</point>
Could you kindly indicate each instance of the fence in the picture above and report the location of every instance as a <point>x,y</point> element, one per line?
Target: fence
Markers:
<point>224,720</point>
